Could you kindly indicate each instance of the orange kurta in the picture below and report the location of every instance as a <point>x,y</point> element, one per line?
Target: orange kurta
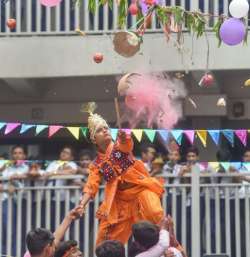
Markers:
<point>121,207</point>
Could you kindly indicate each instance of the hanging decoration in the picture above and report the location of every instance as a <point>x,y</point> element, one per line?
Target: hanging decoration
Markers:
<point>151,134</point>
<point>231,31</point>
<point>239,8</point>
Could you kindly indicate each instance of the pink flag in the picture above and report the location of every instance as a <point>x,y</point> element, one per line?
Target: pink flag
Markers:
<point>10,127</point>
<point>190,135</point>
<point>54,129</point>
<point>242,135</point>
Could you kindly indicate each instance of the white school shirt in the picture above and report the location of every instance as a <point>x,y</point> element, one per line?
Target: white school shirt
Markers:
<point>57,166</point>
<point>158,249</point>
<point>245,188</point>
<point>20,169</point>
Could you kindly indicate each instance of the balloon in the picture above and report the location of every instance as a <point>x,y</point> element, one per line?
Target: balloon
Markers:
<point>239,8</point>
<point>50,3</point>
<point>232,31</point>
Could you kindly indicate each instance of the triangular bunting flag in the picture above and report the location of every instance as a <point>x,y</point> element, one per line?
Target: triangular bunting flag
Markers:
<point>75,131</point>
<point>150,134</point>
<point>242,135</point>
<point>177,134</point>
<point>229,135</point>
<point>138,134</point>
<point>202,134</point>
<point>214,165</point>
<point>25,127</point>
<point>225,165</point>
<point>84,131</point>
<point>128,131</point>
<point>236,165</point>
<point>114,133</point>
<point>2,124</point>
<point>10,127</point>
<point>190,135</point>
<point>53,129</point>
<point>164,134</point>
<point>246,165</point>
<point>215,135</point>
<point>40,128</point>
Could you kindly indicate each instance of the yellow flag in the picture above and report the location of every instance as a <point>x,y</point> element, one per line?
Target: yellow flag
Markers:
<point>75,131</point>
<point>202,134</point>
<point>214,165</point>
<point>138,134</point>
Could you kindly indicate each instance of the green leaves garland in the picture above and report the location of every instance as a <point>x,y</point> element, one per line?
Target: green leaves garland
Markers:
<point>193,21</point>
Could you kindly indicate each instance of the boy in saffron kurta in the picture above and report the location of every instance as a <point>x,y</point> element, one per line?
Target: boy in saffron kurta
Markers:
<point>130,193</point>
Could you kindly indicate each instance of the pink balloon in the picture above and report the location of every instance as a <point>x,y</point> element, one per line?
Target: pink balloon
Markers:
<point>50,3</point>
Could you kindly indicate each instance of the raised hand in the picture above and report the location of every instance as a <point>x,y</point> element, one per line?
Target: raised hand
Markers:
<point>122,136</point>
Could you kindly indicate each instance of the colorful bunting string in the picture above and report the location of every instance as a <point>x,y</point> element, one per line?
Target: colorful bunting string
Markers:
<point>229,134</point>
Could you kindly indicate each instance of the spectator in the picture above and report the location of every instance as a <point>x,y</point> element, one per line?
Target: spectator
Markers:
<point>244,192</point>
<point>3,162</point>
<point>85,158</point>
<point>153,241</point>
<point>148,154</point>
<point>42,243</point>
<point>192,158</point>
<point>14,176</point>
<point>172,167</point>
<point>157,166</point>
<point>64,166</point>
<point>110,248</point>
<point>68,249</point>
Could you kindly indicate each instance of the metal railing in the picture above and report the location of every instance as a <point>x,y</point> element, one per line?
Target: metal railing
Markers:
<point>34,19</point>
<point>208,217</point>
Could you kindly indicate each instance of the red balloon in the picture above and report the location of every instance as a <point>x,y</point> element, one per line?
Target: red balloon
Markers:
<point>133,9</point>
<point>11,23</point>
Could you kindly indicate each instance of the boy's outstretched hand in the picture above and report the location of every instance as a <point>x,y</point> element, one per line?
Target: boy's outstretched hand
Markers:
<point>166,223</point>
<point>76,213</point>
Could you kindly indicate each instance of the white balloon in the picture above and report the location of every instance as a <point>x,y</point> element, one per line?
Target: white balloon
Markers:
<point>239,8</point>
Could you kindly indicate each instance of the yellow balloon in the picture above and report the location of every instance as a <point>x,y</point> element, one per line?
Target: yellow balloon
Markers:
<point>247,83</point>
